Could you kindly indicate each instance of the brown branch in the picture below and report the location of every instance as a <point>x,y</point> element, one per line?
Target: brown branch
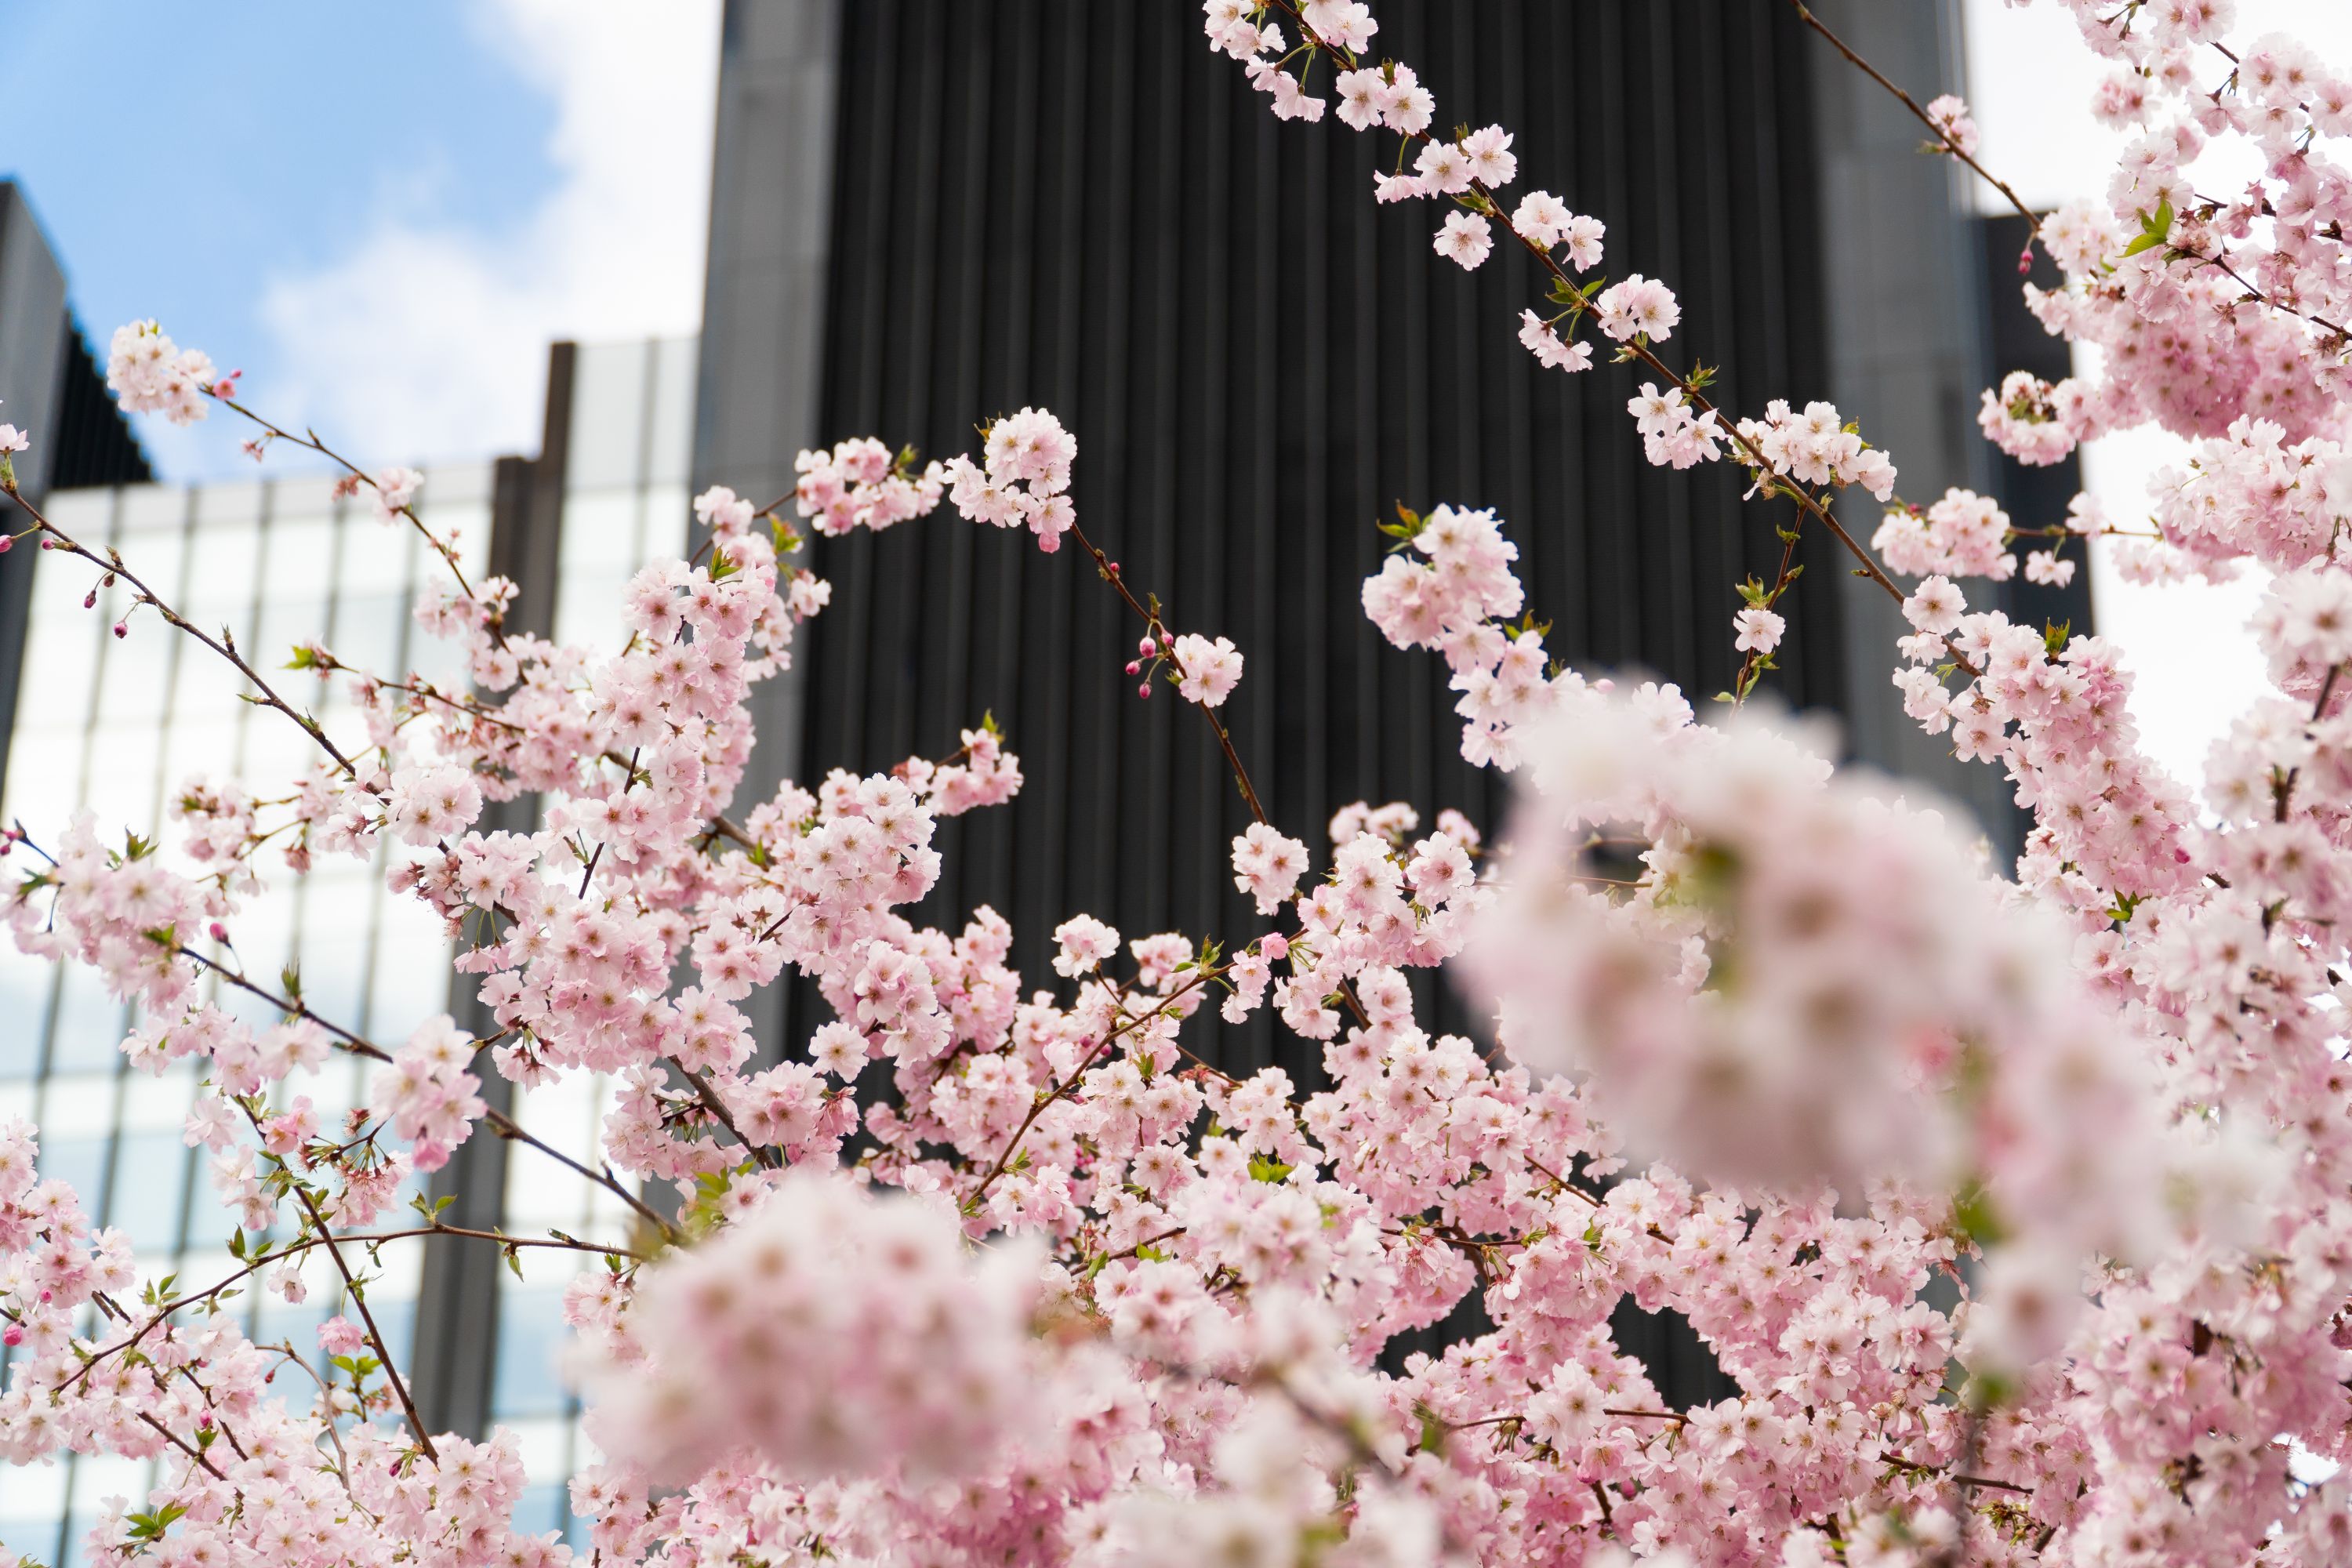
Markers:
<point>359,1297</point>
<point>499,1122</point>
<point>310,441</point>
<point>192,1452</point>
<point>1154,623</point>
<point>1912,104</point>
<point>226,646</point>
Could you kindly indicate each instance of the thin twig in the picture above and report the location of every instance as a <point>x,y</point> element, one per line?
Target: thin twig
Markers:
<point>375,1337</point>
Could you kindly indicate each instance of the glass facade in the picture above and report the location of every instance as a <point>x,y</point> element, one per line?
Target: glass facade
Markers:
<point>624,503</point>
<point>112,724</point>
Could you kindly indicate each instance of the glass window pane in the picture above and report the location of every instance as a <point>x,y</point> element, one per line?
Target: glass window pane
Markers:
<point>80,1161</point>
<point>25,984</point>
<point>531,1335</point>
<point>367,631</point>
<point>134,680</point>
<point>673,423</point>
<point>89,1027</point>
<point>45,768</point>
<point>223,573</point>
<point>150,1175</point>
<point>608,416</point>
<point>668,512</point>
<point>61,649</point>
<point>121,787</point>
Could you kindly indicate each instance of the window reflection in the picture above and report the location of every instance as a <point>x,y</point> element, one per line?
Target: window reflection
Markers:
<point>115,724</point>
<point>151,1178</point>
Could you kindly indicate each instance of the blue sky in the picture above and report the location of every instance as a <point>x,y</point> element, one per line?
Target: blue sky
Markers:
<point>335,196</point>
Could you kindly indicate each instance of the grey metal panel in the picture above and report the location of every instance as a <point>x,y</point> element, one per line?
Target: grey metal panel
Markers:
<point>32,309</point>
<point>2036,496</point>
<point>1906,351</point>
<point>1080,206</point>
<point>456,1338</point>
<point>32,336</point>
<point>764,301</point>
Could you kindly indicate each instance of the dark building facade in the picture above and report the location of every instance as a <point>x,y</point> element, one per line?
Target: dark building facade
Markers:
<point>50,385</point>
<point>930,212</point>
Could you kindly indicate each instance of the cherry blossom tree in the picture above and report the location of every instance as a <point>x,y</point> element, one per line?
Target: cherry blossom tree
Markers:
<point>2013,1199</point>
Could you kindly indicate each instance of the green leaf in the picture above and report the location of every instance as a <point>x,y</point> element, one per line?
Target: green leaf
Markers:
<point>722,566</point>
<point>152,1526</point>
<point>1265,1169</point>
<point>2155,227</point>
<point>1974,1217</point>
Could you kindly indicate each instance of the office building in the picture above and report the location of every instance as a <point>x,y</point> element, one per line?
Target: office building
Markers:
<point>930,212</point>
<point>114,725</point>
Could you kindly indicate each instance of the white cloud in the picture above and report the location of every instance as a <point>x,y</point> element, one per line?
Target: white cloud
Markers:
<point>2194,664</point>
<point>429,340</point>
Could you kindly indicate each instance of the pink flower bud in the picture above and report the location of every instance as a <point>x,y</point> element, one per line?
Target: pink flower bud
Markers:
<point>1133,665</point>
<point>89,600</point>
<point>1144,691</point>
<point>14,1337</point>
<point>1273,946</point>
<point>7,542</point>
<point>1146,646</point>
<point>2025,260</point>
<point>219,932</point>
<point>122,629</point>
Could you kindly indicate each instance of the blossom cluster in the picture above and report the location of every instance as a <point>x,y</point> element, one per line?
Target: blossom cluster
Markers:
<point>2012,1207</point>
<point>1458,600</point>
<point>858,484</point>
<point>843,1335</point>
<point>150,373</point>
<point>1022,479</point>
<point>1962,535</point>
